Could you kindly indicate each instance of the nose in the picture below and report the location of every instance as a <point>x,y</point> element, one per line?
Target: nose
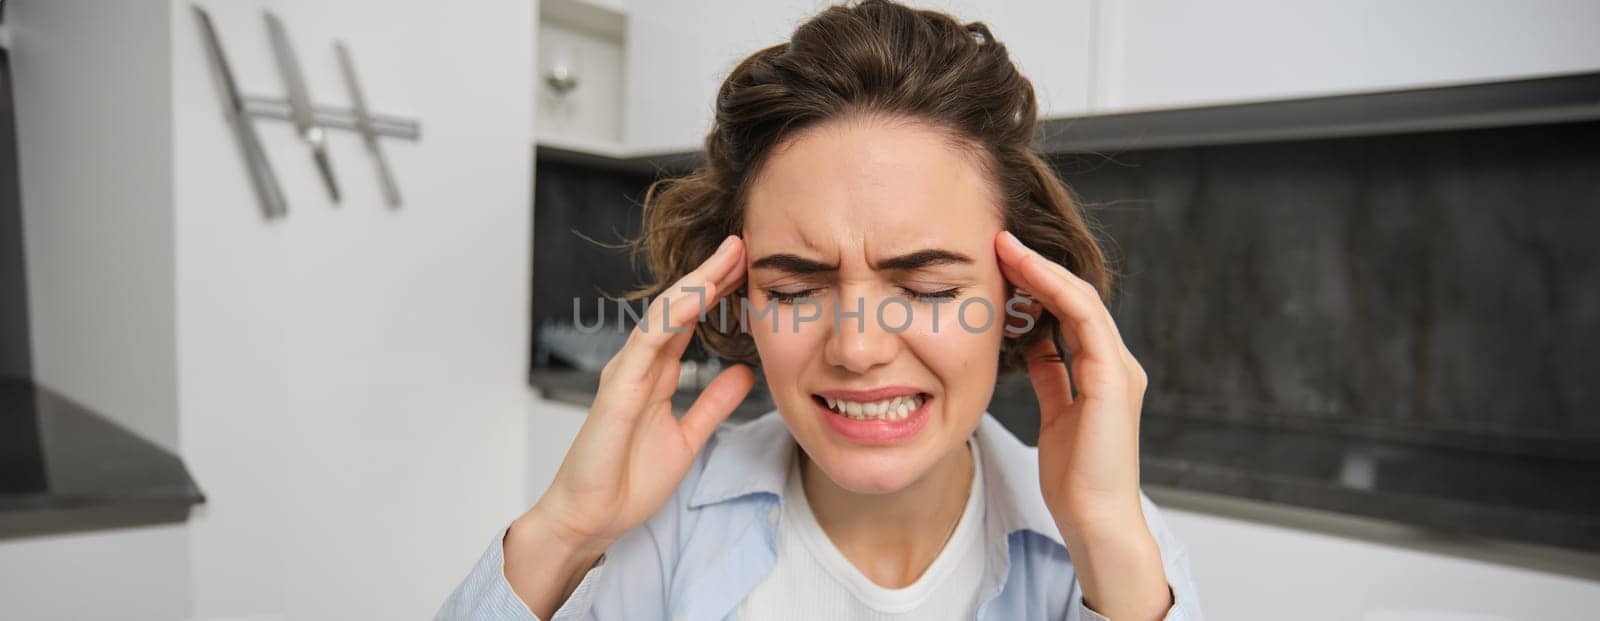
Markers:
<point>860,343</point>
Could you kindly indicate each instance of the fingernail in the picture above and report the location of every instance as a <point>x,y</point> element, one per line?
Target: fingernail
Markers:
<point>1014,239</point>
<point>727,242</point>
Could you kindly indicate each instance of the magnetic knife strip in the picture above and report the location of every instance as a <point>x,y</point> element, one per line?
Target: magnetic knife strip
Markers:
<point>309,120</point>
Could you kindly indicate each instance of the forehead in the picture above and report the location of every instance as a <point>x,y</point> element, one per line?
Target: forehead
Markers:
<point>884,185</point>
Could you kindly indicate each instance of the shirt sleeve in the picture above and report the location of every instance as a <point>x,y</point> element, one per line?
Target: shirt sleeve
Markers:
<point>1175,560</point>
<point>487,595</point>
<point>1173,613</point>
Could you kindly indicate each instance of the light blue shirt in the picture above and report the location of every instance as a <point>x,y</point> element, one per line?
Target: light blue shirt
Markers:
<point>699,555</point>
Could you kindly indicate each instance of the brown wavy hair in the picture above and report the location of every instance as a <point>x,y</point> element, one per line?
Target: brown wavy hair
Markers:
<point>881,59</point>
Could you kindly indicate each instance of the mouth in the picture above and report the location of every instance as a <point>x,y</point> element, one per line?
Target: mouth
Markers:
<point>888,418</point>
<point>891,408</point>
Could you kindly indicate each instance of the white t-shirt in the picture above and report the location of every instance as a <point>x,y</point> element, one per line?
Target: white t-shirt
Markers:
<point>812,579</point>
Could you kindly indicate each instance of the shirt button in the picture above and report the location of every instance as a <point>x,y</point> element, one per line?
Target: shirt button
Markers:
<point>772,515</point>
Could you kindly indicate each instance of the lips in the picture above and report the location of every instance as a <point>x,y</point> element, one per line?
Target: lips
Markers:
<point>874,431</point>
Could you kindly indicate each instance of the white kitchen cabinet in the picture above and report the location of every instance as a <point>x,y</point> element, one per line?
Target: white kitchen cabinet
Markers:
<point>678,54</point>
<point>1157,54</point>
<point>1104,56</point>
<point>579,60</point>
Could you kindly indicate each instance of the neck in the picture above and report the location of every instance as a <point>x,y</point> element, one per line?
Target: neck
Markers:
<point>892,538</point>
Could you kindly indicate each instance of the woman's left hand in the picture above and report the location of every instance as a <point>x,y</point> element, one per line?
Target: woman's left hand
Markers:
<point>1088,445</point>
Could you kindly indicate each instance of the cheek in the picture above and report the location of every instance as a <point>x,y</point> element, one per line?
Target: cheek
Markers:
<point>781,345</point>
<point>964,353</point>
<point>963,340</point>
<point>957,354</point>
<point>973,321</point>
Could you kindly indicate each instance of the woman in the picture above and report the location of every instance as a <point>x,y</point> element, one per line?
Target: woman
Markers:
<point>863,177</point>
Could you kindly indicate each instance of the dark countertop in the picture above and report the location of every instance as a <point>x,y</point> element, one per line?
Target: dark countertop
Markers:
<point>1454,491</point>
<point>578,388</point>
<point>65,468</point>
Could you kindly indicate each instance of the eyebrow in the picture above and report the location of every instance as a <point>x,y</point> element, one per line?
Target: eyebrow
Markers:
<point>796,264</point>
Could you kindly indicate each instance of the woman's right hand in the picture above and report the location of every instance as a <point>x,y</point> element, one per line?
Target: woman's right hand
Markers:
<point>632,452</point>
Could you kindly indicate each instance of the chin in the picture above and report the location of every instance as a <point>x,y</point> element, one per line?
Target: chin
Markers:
<point>862,473</point>
<point>873,469</point>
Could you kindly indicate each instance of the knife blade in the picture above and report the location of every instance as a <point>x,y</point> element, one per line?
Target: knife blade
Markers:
<point>391,191</point>
<point>262,177</point>
<point>300,101</point>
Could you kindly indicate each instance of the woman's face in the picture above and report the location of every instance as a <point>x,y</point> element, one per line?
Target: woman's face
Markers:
<point>886,218</point>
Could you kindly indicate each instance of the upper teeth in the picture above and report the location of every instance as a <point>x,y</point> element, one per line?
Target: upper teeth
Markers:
<point>891,409</point>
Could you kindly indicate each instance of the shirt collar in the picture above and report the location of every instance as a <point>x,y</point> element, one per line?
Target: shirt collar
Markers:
<point>754,457</point>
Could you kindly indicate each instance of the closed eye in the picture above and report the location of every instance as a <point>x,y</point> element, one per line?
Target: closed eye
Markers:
<point>946,294</point>
<point>786,297</point>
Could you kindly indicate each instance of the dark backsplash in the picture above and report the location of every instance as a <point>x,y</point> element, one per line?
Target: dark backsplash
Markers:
<point>1441,288</point>
<point>575,202</point>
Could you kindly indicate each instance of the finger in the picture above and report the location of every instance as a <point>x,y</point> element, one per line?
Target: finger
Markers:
<point>1014,274</point>
<point>1031,307</point>
<point>681,304</point>
<point>715,403</point>
<point>1047,372</point>
<point>1051,384</point>
<point>1130,362</point>
<point>718,309</point>
<point>679,343</point>
<point>735,275</point>
<point>641,357</point>
<point>1016,278</point>
<point>700,288</point>
<point>667,376</point>
<point>671,361</point>
<point>711,307</point>
<point>1086,324</point>
<point>1017,327</point>
<point>1128,359</point>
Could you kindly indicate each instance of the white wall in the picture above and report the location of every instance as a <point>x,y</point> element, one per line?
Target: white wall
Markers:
<point>94,139</point>
<point>553,427</point>
<point>352,378</point>
<point>1249,570</point>
<point>131,574</point>
<point>347,385</point>
<point>91,87</point>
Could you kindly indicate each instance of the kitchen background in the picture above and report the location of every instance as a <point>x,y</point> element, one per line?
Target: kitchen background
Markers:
<point>1357,238</point>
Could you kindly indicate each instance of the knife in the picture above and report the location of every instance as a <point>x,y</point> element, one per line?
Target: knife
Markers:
<point>391,191</point>
<point>300,101</point>
<point>262,177</point>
